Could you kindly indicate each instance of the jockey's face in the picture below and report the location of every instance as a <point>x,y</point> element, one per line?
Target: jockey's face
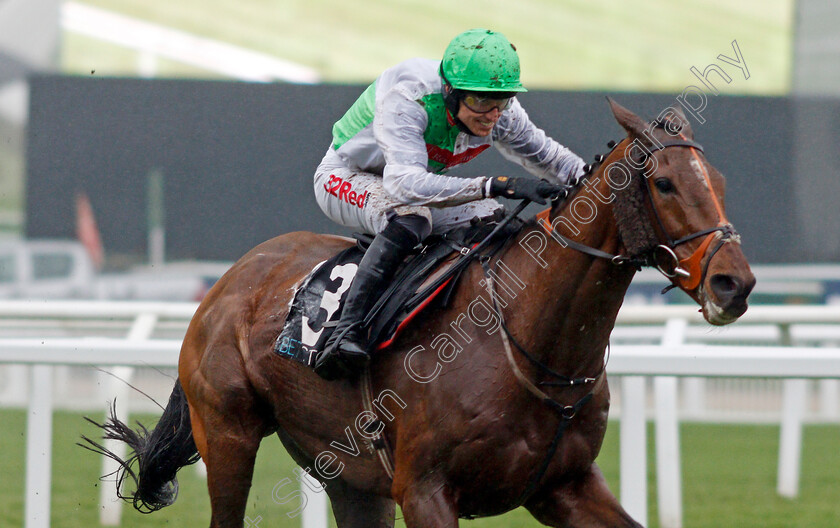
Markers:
<point>480,124</point>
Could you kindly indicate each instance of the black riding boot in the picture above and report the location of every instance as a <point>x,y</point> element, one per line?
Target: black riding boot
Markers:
<point>345,354</point>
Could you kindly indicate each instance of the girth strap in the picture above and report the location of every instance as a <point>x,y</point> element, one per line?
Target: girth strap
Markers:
<point>380,443</point>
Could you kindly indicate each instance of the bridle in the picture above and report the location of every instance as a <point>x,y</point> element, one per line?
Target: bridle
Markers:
<point>687,273</point>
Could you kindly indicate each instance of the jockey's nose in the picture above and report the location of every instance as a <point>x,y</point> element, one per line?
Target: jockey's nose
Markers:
<point>494,114</point>
<point>731,292</point>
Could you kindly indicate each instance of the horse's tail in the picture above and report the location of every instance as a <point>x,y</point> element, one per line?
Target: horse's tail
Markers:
<point>159,454</point>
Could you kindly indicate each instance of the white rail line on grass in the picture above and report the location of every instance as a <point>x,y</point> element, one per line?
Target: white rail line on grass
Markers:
<point>204,53</point>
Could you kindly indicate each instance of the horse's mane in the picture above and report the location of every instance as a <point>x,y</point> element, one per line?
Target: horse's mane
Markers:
<point>629,211</point>
<point>632,217</point>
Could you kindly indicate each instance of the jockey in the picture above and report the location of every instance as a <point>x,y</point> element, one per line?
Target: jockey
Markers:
<point>383,172</point>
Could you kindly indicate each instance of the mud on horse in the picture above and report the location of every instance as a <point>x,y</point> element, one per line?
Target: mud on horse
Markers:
<point>495,401</point>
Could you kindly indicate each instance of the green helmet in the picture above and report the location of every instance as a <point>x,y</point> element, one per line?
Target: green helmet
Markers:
<point>480,60</point>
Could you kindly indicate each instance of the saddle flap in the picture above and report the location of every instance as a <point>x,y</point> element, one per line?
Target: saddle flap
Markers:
<point>316,307</point>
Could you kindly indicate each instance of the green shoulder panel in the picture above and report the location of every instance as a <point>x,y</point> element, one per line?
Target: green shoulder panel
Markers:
<point>440,135</point>
<point>356,118</point>
<point>439,132</point>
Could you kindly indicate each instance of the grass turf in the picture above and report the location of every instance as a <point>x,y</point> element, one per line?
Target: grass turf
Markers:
<point>729,474</point>
<point>576,44</point>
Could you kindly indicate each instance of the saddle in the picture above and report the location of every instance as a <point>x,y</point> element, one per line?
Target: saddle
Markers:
<point>430,272</point>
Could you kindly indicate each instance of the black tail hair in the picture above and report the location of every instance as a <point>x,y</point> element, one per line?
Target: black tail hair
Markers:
<point>159,454</point>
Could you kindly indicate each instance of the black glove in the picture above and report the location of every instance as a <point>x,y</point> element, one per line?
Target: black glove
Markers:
<point>532,189</point>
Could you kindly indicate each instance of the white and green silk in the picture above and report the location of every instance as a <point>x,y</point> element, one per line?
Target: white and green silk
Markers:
<point>399,136</point>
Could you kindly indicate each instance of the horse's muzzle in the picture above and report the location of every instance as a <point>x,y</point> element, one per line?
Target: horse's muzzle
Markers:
<point>731,293</point>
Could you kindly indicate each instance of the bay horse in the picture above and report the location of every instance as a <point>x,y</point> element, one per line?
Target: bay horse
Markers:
<point>497,400</point>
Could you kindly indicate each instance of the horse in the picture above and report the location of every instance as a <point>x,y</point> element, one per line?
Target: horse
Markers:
<point>494,400</point>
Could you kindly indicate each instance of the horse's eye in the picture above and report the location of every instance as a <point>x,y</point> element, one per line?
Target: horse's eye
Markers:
<point>664,185</point>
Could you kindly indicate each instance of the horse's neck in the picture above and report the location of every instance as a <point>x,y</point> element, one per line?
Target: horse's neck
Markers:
<point>571,300</point>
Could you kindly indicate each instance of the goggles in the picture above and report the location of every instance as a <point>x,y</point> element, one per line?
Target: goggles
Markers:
<point>482,105</point>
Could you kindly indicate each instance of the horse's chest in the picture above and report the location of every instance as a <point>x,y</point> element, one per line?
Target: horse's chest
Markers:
<point>492,461</point>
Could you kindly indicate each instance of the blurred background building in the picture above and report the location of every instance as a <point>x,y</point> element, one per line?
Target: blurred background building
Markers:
<point>193,131</point>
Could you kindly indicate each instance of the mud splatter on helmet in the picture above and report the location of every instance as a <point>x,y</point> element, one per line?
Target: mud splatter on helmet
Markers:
<point>481,60</point>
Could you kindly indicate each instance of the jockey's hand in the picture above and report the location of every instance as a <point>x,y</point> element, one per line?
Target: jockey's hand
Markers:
<point>533,189</point>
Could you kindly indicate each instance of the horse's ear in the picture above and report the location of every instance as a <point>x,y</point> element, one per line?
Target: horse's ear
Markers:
<point>675,122</point>
<point>632,123</point>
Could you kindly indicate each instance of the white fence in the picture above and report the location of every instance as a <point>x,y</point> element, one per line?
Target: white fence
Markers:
<point>146,329</point>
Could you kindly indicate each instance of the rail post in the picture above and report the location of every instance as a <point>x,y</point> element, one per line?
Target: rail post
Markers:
<point>633,449</point>
<point>39,448</point>
<point>668,471</point>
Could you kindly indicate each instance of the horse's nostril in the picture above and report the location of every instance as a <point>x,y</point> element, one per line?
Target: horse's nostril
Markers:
<point>725,286</point>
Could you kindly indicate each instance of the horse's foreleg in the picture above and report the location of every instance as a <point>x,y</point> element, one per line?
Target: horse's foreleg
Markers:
<point>426,505</point>
<point>357,509</point>
<point>582,503</point>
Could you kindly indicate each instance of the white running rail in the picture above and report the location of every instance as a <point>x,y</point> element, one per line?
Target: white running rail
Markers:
<point>670,358</point>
